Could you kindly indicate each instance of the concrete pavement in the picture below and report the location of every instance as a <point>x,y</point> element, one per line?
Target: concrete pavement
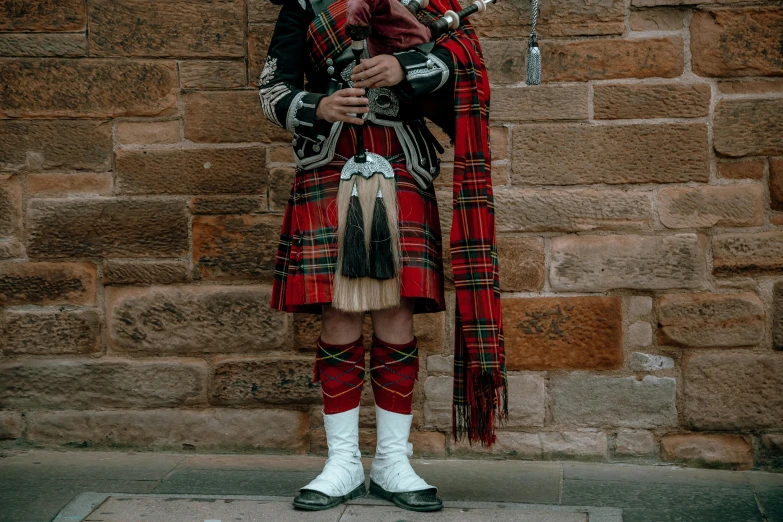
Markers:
<point>36,485</point>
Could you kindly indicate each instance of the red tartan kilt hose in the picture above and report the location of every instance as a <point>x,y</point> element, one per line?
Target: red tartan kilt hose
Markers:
<point>307,251</point>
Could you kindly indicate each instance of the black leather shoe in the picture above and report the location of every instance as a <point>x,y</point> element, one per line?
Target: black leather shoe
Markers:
<point>421,500</point>
<point>315,500</point>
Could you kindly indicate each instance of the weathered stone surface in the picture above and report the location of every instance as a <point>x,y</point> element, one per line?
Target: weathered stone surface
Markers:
<point>429,330</point>
<point>751,85</point>
<point>747,253</point>
<point>737,42</point>
<point>229,204</point>
<point>545,333</point>
<point>539,103</point>
<point>575,154</point>
<point>634,443</point>
<point>228,117</point>
<point>11,249</point>
<point>598,263</point>
<point>50,145</point>
<point>569,18</point>
<point>213,28</point>
<point>10,205</point>
<point>542,445</point>
<point>258,38</point>
<point>88,87</point>
<point>208,74</point>
<point>710,320</point>
<point>120,272</point>
<point>711,206</point>
<point>708,450</point>
<point>646,362</point>
<point>262,11</point>
<point>526,399</point>
<point>640,305</point>
<point>659,19</point>
<point>571,210</point>
<point>440,364</point>
<point>733,391</point>
<point>43,15</point>
<point>214,428</point>
<point>236,246</point>
<point>521,263</point>
<point>79,227</point>
<point>772,444</point>
<point>777,316</point>
<point>748,127</point>
<point>50,183</point>
<point>49,332</point>
<point>104,383</point>
<point>438,392</point>
<point>148,132</point>
<point>194,319</point>
<point>27,44</point>
<point>595,400</point>
<point>10,425</point>
<point>265,380</point>
<point>640,334</point>
<point>666,100</point>
<point>776,184</point>
<point>745,169</point>
<point>505,60</point>
<point>603,59</point>
<point>191,171</point>
<point>281,181</point>
<point>47,284</point>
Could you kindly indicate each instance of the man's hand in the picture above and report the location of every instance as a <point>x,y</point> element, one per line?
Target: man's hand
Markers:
<point>340,105</point>
<point>383,70</point>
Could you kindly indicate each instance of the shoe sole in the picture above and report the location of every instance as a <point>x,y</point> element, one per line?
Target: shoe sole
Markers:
<point>378,491</point>
<point>360,491</point>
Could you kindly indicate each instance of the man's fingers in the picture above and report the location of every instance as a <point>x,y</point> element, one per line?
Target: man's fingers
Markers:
<point>351,108</point>
<point>352,100</point>
<point>350,92</point>
<point>368,73</point>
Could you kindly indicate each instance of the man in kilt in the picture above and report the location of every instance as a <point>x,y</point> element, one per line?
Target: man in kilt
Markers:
<point>385,97</point>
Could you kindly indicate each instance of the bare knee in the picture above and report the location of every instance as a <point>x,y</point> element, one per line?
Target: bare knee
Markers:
<point>394,325</point>
<point>338,327</point>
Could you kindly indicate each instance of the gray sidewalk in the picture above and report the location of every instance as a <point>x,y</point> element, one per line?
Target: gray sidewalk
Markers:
<point>37,485</point>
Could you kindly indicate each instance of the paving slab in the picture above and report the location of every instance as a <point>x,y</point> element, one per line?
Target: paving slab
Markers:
<point>94,507</point>
<point>235,482</point>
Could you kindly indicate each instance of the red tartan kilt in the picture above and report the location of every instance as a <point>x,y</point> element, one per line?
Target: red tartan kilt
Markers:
<point>307,252</point>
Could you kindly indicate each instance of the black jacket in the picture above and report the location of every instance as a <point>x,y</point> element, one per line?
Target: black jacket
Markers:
<point>287,102</point>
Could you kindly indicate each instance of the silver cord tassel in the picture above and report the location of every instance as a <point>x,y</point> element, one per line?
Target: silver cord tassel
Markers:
<point>533,51</point>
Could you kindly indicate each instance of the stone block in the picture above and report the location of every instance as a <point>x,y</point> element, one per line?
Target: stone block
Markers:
<point>43,15</point>
<point>733,391</point>
<point>710,320</point>
<point>737,42</point>
<point>658,19</point>
<point>163,28</point>
<point>640,306</point>
<point>635,443</point>
<point>89,87</point>
<point>664,100</point>
<point>539,103</point>
<point>55,145</point>
<point>640,334</point>
<point>10,206</point>
<point>599,263</point>
<point>578,154</point>
<point>545,333</point>
<point>228,117</point>
<point>647,362</point>
<point>521,262</point>
<point>81,227</point>
<point>711,206</point>
<point>438,393</point>
<point>580,399</point>
<point>191,171</point>
<point>777,316</point>
<point>776,184</point>
<point>148,132</point>
<point>194,319</point>
<point>221,429</point>
<point>47,284</point>
<point>10,425</point>
<point>258,38</point>
<point>526,399</point>
<point>747,253</point>
<point>236,246</point>
<point>212,74</point>
<point>748,127</point>
<point>49,332</point>
<point>230,204</point>
<point>74,183</point>
<point>31,44</point>
<point>103,383</point>
<point>741,169</point>
<point>270,380</point>
<point>708,450</point>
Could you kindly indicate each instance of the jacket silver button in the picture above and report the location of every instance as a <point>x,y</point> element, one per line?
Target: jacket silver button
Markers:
<point>430,64</point>
<point>300,153</point>
<point>329,61</point>
<point>316,148</point>
<point>330,70</point>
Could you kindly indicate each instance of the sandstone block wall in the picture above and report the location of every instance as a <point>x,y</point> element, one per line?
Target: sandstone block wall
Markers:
<point>639,199</point>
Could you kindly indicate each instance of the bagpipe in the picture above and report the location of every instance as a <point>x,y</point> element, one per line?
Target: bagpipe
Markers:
<point>367,275</point>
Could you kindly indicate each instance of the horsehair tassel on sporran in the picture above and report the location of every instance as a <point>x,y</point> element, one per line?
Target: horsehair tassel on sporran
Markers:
<point>368,239</point>
<point>533,51</point>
